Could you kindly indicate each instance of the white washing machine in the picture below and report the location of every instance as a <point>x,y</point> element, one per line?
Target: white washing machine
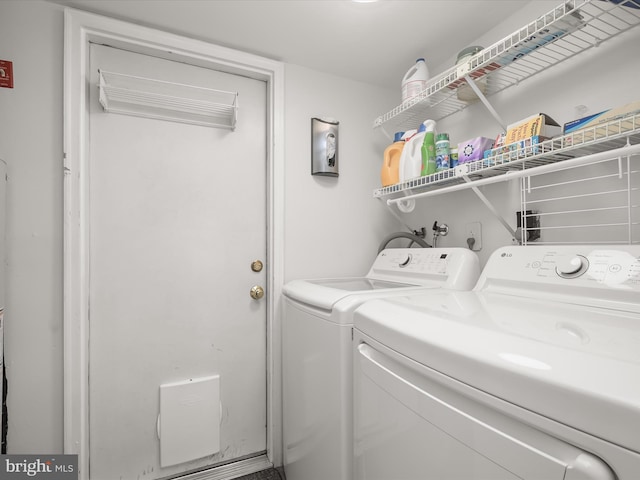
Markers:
<point>317,334</point>
<point>534,375</point>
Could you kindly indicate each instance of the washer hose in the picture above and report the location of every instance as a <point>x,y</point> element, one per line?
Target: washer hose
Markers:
<point>410,236</point>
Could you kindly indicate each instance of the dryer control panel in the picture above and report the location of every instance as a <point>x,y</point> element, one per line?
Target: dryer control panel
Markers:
<point>565,269</point>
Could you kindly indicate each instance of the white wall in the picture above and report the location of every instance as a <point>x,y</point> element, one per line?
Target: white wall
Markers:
<point>333,225</point>
<point>31,35</point>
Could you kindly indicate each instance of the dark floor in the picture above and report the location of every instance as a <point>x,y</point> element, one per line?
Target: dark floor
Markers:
<point>269,474</point>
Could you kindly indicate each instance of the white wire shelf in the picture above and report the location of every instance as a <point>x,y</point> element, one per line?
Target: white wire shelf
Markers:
<point>569,29</point>
<point>601,138</point>
<point>150,98</point>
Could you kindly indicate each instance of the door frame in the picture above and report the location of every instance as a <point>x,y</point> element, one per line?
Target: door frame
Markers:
<point>80,30</point>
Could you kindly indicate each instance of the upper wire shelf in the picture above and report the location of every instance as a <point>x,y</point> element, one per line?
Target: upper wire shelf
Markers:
<point>150,98</point>
<point>600,138</point>
<point>569,29</point>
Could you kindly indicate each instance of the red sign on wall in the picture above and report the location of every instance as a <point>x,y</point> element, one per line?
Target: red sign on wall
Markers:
<point>6,74</point>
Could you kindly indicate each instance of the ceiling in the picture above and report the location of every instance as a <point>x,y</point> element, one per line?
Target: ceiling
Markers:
<point>372,42</point>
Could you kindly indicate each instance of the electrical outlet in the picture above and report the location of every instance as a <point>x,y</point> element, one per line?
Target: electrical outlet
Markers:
<point>474,231</point>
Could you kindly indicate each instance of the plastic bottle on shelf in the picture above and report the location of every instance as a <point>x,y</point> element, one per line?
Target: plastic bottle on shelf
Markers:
<point>454,157</point>
<point>415,80</point>
<point>390,172</point>
<point>443,152</point>
<point>428,148</point>
<point>411,158</point>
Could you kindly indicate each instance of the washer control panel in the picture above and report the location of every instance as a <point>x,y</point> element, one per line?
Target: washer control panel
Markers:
<point>416,260</point>
<point>453,267</point>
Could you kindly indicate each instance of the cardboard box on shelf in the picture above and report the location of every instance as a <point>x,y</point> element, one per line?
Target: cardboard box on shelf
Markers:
<point>520,149</point>
<point>536,125</point>
<point>601,117</point>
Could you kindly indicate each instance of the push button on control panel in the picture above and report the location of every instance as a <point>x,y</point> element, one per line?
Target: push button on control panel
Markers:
<point>615,268</point>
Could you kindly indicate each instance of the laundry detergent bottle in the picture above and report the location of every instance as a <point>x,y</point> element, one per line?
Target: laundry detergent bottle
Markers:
<point>411,158</point>
<point>390,172</point>
<point>428,148</point>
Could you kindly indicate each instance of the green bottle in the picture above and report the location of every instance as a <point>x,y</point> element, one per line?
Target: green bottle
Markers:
<point>429,149</point>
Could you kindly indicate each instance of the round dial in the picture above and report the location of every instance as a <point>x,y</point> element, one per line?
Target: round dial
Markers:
<point>571,266</point>
<point>405,261</point>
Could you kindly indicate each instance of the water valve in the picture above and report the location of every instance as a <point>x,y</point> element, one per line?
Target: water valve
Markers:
<point>440,230</point>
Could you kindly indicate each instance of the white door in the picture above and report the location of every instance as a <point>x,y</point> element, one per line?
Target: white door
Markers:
<point>177,216</point>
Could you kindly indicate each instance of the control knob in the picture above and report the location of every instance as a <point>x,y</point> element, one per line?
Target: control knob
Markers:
<point>405,261</point>
<point>571,266</point>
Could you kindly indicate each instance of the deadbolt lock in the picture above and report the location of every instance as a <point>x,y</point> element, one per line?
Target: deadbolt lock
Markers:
<point>257,292</point>
<point>256,266</point>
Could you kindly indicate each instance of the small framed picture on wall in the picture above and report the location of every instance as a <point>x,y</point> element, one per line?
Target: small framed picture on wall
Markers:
<point>324,147</point>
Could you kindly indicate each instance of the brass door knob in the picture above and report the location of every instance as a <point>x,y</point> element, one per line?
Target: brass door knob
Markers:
<point>257,292</point>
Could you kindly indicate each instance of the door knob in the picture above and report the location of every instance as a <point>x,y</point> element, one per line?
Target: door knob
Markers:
<point>257,292</point>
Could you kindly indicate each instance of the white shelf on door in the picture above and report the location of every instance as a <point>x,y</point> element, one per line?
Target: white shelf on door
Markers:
<point>150,98</point>
<point>569,29</point>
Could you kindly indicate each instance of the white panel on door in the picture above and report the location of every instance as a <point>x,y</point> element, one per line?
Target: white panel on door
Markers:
<point>189,426</point>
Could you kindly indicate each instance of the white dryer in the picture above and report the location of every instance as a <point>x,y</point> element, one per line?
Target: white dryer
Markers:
<point>534,375</point>
<point>316,342</point>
